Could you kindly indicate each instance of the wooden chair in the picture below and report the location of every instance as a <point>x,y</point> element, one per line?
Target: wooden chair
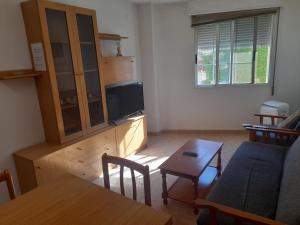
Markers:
<point>271,134</point>
<point>133,166</point>
<point>5,176</point>
<point>240,217</point>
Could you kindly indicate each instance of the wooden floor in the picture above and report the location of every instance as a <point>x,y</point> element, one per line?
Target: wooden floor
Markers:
<point>160,147</point>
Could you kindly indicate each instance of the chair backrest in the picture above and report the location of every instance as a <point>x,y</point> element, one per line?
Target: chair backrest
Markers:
<point>6,177</point>
<point>133,166</point>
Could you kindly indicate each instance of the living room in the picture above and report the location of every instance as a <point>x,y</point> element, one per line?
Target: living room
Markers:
<point>160,39</point>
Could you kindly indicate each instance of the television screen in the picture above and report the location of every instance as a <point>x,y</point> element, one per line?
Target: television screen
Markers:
<point>124,100</point>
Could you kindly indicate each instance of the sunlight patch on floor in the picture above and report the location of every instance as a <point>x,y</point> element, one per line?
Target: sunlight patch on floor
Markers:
<point>152,161</point>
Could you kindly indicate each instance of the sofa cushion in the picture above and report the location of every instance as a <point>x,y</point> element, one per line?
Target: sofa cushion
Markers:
<point>291,121</point>
<point>288,210</point>
<point>250,182</point>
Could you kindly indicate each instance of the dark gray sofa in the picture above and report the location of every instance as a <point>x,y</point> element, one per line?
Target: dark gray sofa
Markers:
<point>260,179</point>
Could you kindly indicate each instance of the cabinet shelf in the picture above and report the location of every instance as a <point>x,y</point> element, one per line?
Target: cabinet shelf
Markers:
<point>94,100</point>
<point>112,37</point>
<point>64,73</point>
<point>69,106</point>
<point>87,43</point>
<point>17,74</point>
<point>59,42</point>
<point>91,71</point>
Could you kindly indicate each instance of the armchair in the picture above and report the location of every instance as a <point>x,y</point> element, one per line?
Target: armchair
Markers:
<point>271,134</point>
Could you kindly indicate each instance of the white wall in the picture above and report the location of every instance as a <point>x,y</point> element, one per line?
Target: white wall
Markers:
<point>288,66</point>
<point>20,118</point>
<point>181,105</point>
<point>149,70</point>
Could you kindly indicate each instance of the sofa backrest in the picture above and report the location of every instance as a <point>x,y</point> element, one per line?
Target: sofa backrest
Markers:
<point>288,208</point>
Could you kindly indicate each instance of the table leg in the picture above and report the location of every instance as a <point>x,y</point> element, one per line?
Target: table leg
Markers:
<point>219,166</point>
<point>164,188</point>
<point>196,181</point>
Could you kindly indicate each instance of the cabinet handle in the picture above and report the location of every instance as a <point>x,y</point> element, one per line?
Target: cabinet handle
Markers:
<point>79,149</point>
<point>80,161</point>
<point>107,148</point>
<point>37,167</point>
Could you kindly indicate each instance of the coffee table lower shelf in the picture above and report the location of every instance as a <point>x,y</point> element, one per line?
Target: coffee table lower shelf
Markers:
<point>183,189</point>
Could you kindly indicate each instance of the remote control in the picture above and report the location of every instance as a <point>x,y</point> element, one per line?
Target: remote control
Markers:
<point>191,154</point>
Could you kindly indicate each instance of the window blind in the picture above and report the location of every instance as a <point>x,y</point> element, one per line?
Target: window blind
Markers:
<point>244,32</point>
<point>227,51</point>
<point>206,36</point>
<point>223,16</point>
<point>264,30</point>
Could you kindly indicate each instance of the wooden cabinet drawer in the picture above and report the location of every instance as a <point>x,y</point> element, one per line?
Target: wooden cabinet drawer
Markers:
<point>99,144</point>
<point>43,163</point>
<point>85,158</point>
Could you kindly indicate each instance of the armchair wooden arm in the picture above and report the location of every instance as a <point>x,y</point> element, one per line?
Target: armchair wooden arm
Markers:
<point>272,117</point>
<point>238,215</point>
<point>280,136</point>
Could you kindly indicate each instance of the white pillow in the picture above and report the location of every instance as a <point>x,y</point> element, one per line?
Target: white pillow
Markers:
<point>288,122</point>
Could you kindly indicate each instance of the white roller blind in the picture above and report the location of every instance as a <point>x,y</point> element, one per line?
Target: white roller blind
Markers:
<point>244,32</point>
<point>240,37</point>
<point>264,30</point>
<point>206,36</point>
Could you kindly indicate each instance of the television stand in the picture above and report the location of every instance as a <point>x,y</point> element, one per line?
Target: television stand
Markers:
<point>135,116</point>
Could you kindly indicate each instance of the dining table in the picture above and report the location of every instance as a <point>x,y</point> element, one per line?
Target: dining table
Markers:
<point>70,200</point>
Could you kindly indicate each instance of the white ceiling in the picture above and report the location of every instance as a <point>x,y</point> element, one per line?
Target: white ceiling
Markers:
<point>157,1</point>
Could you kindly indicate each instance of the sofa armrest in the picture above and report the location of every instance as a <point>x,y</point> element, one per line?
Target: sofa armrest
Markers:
<point>238,215</point>
<point>272,117</point>
<point>280,135</point>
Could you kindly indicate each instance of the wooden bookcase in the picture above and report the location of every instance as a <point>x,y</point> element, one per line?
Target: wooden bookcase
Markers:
<point>71,88</point>
<point>70,85</point>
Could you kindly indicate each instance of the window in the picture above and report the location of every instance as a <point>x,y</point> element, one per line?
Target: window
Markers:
<point>237,51</point>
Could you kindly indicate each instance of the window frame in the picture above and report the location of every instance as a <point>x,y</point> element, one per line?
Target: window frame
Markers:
<point>272,63</point>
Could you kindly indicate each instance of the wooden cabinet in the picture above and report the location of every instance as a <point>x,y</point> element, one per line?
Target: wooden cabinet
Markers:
<point>131,136</point>
<point>65,51</point>
<point>70,89</point>
<point>40,164</point>
<point>119,69</point>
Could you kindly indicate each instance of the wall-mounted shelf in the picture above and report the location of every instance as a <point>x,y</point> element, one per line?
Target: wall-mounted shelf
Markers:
<point>112,37</point>
<point>119,69</point>
<point>18,74</point>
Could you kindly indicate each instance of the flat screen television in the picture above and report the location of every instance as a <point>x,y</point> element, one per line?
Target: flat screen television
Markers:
<point>124,100</point>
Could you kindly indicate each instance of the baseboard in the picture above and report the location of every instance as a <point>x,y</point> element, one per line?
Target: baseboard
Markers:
<point>198,132</point>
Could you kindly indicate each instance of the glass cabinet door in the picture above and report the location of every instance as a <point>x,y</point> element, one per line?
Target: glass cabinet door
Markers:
<point>65,76</point>
<point>85,26</point>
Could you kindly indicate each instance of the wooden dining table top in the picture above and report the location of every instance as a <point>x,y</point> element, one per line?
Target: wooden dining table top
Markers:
<point>73,201</point>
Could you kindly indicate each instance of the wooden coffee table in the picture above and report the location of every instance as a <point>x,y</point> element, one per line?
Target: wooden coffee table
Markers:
<point>196,175</point>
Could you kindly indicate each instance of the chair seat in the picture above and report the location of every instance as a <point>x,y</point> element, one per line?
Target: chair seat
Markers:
<point>250,182</point>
